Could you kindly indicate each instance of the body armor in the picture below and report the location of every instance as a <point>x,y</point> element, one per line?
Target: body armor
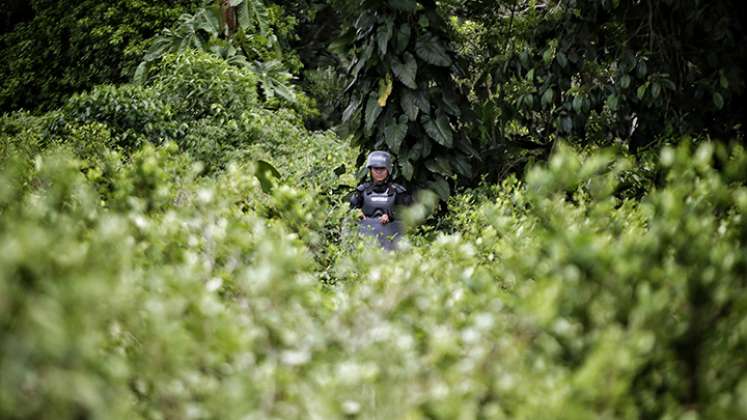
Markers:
<point>377,203</point>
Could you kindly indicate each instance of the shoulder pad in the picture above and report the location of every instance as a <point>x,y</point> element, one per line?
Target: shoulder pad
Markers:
<point>363,186</point>
<point>399,188</point>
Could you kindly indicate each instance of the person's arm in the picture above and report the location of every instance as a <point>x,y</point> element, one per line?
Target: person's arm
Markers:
<point>355,199</point>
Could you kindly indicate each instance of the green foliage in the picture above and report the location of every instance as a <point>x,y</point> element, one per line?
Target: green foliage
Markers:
<point>133,113</point>
<point>200,85</point>
<point>155,289</point>
<point>175,249</point>
<point>69,47</point>
<point>602,72</point>
<point>402,96</point>
<point>241,32</point>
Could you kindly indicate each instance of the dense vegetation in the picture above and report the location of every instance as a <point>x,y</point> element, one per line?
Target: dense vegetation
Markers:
<point>175,241</point>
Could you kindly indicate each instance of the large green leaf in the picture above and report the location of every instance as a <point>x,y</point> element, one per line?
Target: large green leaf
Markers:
<point>462,165</point>
<point>395,133</point>
<point>372,112</point>
<point>421,99</point>
<point>450,105</point>
<point>402,38</point>
<point>440,187</point>
<point>384,34</point>
<point>407,169</point>
<point>208,21</point>
<point>439,129</point>
<point>252,14</point>
<point>364,57</point>
<point>267,175</point>
<point>409,105</point>
<point>439,165</point>
<point>406,71</point>
<point>430,49</point>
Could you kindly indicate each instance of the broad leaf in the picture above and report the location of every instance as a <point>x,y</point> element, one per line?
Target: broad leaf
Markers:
<point>395,133</point>
<point>462,165</point>
<point>267,175</point>
<point>430,49</point>
<point>384,34</point>
<point>439,129</point>
<point>402,37</point>
<point>372,112</point>
<point>364,57</point>
<point>421,99</point>
<point>548,97</point>
<point>449,105</point>
<point>409,106</point>
<point>440,187</point>
<point>718,100</point>
<point>439,165</point>
<point>406,71</point>
<point>407,169</point>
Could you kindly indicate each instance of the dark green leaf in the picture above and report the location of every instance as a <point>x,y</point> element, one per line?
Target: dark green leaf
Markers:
<point>440,187</point>
<point>641,92</point>
<point>395,132</point>
<point>402,37</point>
<point>421,99</point>
<point>562,59</point>
<point>449,105</point>
<point>372,112</point>
<point>416,152</point>
<point>407,101</point>
<point>383,35</point>
<point>642,69</point>
<point>718,100</point>
<point>655,90</point>
<point>612,102</point>
<point>439,165</point>
<point>548,97</point>
<point>578,103</point>
<point>406,169</point>
<point>267,175</point>
<point>462,165</point>
<point>430,49</point>
<point>566,123</point>
<point>439,130</point>
<point>406,71</point>
<point>364,57</point>
<point>625,81</point>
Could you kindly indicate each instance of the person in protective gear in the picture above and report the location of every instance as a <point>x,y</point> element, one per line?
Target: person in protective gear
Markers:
<point>377,200</point>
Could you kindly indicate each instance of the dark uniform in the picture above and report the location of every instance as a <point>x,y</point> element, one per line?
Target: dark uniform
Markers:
<point>376,200</point>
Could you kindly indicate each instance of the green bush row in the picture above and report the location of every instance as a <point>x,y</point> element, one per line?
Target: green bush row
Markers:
<point>133,285</point>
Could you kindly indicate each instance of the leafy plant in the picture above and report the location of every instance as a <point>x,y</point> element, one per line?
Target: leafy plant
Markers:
<point>402,96</point>
<point>237,31</point>
<point>69,47</point>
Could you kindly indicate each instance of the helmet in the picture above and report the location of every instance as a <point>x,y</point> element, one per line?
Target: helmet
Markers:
<point>379,159</point>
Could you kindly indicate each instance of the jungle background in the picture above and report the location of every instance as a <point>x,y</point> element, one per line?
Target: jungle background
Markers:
<point>175,240</point>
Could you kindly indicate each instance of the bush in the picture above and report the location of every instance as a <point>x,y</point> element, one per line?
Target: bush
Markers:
<point>72,46</point>
<point>160,292</point>
<point>134,114</point>
<point>199,84</point>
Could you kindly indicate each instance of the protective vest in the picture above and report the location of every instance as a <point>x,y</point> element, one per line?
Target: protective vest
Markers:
<point>377,203</point>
